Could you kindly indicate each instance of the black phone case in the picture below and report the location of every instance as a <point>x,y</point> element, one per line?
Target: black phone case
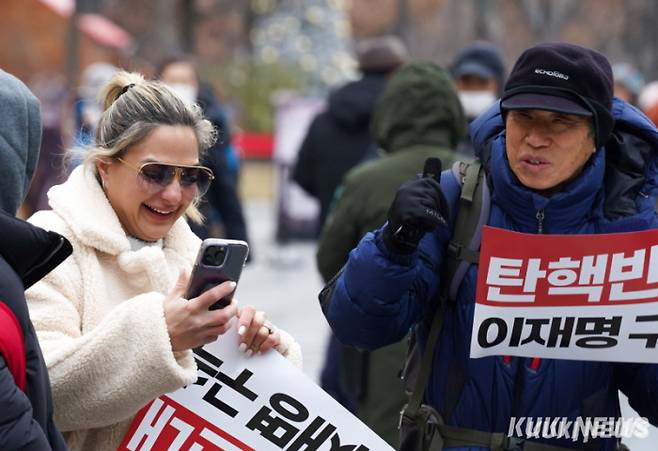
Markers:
<point>205,276</point>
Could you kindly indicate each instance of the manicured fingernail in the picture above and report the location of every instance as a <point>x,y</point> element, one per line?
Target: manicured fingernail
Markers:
<point>249,352</point>
<point>242,347</point>
<point>241,330</point>
<point>232,284</point>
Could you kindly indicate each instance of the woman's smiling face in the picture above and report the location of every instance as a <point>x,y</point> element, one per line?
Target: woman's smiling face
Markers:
<point>148,212</point>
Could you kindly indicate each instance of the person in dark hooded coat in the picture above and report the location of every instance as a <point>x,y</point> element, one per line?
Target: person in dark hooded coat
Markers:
<point>339,138</point>
<point>27,253</point>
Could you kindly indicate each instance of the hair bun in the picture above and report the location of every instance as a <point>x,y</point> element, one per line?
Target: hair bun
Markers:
<point>117,86</point>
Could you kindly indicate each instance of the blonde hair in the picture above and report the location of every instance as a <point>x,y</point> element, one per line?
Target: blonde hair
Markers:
<point>132,108</point>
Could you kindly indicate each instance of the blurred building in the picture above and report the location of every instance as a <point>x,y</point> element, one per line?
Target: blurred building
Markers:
<point>35,36</point>
<point>41,47</point>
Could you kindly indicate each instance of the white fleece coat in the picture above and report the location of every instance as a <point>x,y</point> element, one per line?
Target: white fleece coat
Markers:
<point>100,320</point>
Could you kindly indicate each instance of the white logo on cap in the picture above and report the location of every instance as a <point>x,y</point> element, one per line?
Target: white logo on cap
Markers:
<point>552,73</point>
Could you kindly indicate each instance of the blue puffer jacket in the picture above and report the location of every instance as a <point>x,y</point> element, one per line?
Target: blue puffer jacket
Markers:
<point>386,294</point>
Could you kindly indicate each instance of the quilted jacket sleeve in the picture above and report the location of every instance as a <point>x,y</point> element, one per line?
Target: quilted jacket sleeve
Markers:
<point>384,293</point>
<point>18,430</point>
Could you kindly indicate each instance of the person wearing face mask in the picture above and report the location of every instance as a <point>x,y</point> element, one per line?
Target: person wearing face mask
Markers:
<point>112,320</point>
<point>478,71</point>
<point>222,201</point>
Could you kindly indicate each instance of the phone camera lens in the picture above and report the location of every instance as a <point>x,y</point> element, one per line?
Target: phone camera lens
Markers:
<point>214,256</point>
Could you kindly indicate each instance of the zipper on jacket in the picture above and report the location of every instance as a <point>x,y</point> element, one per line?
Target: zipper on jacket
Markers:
<point>540,221</point>
<point>521,363</point>
<point>534,364</point>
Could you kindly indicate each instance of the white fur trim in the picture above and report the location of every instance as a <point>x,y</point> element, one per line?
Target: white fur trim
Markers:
<point>290,349</point>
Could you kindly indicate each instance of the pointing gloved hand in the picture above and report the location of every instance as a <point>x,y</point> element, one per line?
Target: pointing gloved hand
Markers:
<point>419,207</point>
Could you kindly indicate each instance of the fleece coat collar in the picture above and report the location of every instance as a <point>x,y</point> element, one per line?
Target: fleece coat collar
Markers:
<point>81,203</point>
<point>83,206</point>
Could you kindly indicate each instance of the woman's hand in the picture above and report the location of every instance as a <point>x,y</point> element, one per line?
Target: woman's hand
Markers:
<point>190,323</point>
<point>256,333</point>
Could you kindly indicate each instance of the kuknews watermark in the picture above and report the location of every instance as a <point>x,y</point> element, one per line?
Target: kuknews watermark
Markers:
<point>579,429</point>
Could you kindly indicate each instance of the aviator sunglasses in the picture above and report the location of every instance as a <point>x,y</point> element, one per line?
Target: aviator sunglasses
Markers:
<point>160,175</point>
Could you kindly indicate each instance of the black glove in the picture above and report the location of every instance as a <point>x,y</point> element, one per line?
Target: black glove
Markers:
<point>419,207</point>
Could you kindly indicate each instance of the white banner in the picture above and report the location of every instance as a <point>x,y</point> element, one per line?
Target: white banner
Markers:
<point>239,403</point>
<point>605,333</point>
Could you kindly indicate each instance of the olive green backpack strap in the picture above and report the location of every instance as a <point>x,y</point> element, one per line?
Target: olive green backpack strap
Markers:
<point>462,250</point>
<point>472,214</point>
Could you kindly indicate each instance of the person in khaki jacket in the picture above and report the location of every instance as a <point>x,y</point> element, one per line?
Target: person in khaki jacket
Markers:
<point>418,116</point>
<point>115,330</point>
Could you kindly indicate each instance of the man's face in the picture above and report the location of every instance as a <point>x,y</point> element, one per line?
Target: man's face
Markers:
<point>545,149</point>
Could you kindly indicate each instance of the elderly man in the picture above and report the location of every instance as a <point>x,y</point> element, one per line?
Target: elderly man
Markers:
<point>553,165</point>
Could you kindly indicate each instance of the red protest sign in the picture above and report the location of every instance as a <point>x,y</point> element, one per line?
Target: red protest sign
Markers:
<point>561,270</point>
<point>583,297</point>
<point>164,424</point>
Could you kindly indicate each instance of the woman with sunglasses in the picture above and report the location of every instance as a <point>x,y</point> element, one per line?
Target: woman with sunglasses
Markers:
<point>112,322</point>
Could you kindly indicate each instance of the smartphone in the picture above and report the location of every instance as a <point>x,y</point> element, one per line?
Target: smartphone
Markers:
<point>218,260</point>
